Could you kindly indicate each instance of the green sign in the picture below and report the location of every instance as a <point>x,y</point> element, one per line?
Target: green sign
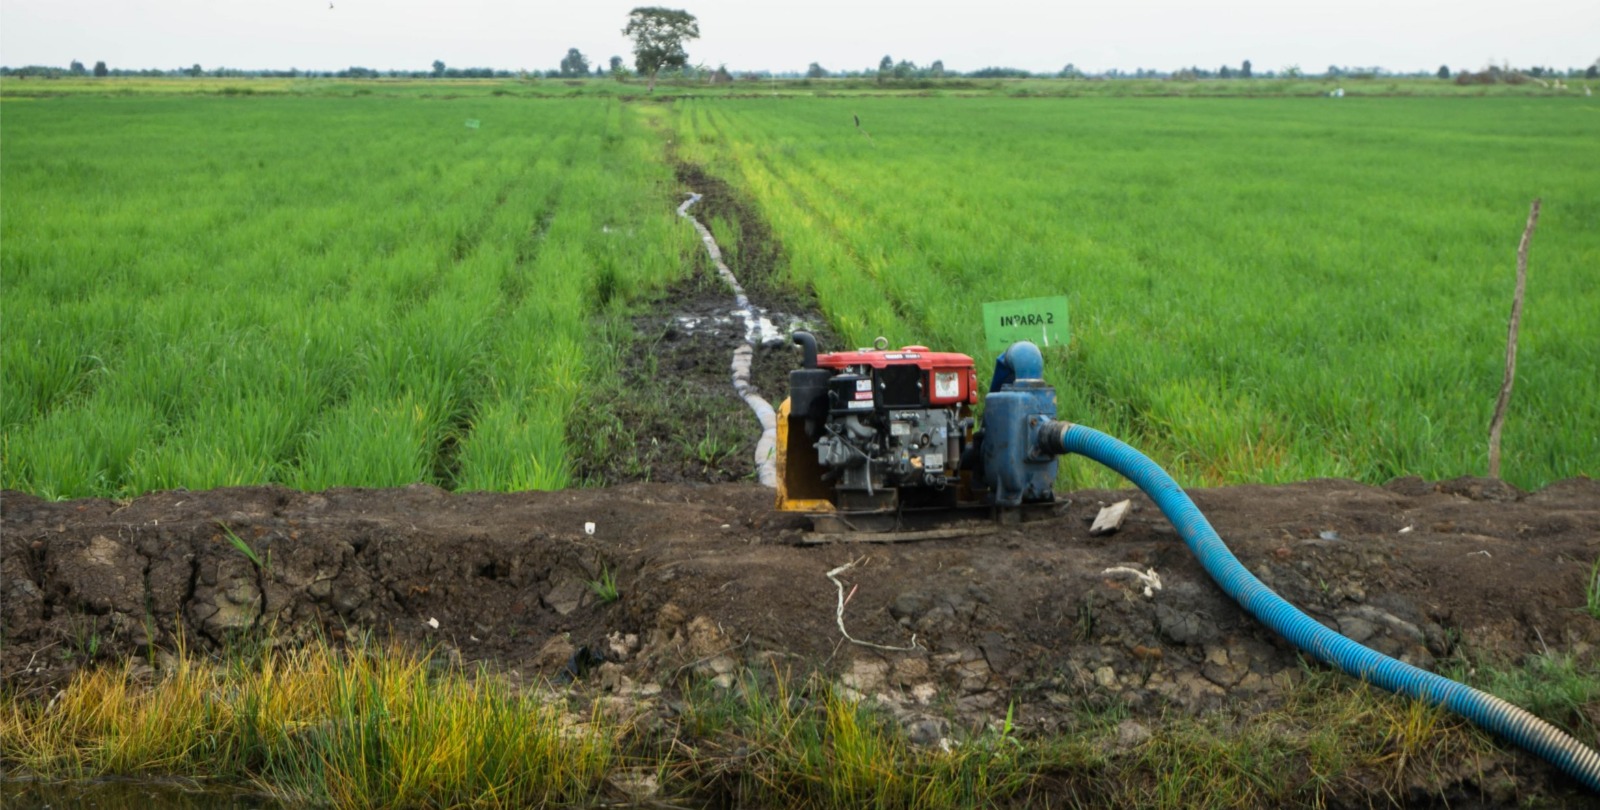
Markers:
<point>1041,320</point>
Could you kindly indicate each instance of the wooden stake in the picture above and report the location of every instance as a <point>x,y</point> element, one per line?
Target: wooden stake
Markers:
<point>1498,420</point>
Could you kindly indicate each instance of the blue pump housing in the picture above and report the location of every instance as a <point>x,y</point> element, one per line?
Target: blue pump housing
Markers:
<point>1013,462</point>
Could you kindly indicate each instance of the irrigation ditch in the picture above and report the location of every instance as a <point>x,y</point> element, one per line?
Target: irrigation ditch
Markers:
<point>662,409</point>
<point>759,331</point>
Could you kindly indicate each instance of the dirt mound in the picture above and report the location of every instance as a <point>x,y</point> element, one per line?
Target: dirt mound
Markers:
<point>1027,613</point>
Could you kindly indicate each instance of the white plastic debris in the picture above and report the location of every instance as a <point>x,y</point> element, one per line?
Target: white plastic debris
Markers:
<point>432,622</point>
<point>1110,519</point>
<point>1151,580</point>
<point>588,528</point>
<point>1406,530</point>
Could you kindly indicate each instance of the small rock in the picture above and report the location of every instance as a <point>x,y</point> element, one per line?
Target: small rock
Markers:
<point>1106,677</point>
<point>723,681</point>
<point>1183,628</point>
<point>927,732</point>
<point>566,597</point>
<point>910,670</point>
<point>979,703</point>
<point>621,646</point>
<point>972,676</point>
<point>638,784</point>
<point>610,679</point>
<point>994,651</point>
<point>866,675</point>
<point>1356,629</point>
<point>704,637</point>
<point>1219,668</point>
<point>1131,733</point>
<point>555,654</point>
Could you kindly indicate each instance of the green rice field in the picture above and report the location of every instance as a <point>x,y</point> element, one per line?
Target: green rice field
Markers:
<point>318,292</point>
<point>1261,290</point>
<point>210,289</point>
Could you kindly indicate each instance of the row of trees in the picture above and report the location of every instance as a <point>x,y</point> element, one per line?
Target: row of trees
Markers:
<point>577,66</point>
<point>659,35</point>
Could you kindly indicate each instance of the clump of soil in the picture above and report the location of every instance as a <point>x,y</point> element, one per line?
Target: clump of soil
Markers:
<point>711,580</point>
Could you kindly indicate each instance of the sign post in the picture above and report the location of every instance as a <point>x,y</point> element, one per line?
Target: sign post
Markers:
<point>1041,320</point>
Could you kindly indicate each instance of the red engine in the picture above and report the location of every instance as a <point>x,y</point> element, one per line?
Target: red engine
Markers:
<point>888,426</point>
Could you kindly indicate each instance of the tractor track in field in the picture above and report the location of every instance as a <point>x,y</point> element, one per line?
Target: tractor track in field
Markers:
<point>1026,619</point>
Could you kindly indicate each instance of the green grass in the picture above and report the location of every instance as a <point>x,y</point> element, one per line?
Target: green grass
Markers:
<point>1261,289</point>
<point>322,290</point>
<point>205,292</point>
<point>386,726</point>
<point>604,585</point>
<point>1591,591</point>
<point>363,728</point>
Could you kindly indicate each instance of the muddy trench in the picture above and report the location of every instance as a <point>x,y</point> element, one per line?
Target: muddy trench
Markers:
<point>664,409</point>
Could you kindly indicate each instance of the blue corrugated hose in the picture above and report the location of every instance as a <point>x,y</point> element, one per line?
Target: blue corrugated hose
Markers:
<point>1487,711</point>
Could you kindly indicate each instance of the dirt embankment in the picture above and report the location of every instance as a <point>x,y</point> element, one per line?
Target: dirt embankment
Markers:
<point>712,580</point>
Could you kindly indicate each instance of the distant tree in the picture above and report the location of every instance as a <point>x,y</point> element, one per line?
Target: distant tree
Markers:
<point>936,70</point>
<point>574,64</point>
<point>904,69</point>
<point>1292,72</point>
<point>999,73</point>
<point>1244,70</point>
<point>885,68</point>
<point>658,36</point>
<point>816,71</point>
<point>1070,71</point>
<point>196,71</point>
<point>1443,72</point>
<point>438,68</point>
<point>1594,71</point>
<point>616,65</point>
<point>77,68</point>
<point>100,70</point>
<point>1225,72</point>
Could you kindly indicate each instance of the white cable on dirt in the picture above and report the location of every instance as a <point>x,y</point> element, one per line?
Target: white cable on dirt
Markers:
<point>766,446</point>
<point>834,575</point>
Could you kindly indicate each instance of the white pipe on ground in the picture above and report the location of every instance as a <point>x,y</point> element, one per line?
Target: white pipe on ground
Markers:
<point>766,446</point>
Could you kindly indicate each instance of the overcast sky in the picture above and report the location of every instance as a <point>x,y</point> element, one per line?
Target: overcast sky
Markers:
<point>1401,35</point>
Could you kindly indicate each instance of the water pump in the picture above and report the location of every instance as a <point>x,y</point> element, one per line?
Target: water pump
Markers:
<point>869,435</point>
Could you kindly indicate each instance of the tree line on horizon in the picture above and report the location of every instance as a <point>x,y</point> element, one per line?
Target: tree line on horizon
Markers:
<point>659,35</point>
<point>575,65</point>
